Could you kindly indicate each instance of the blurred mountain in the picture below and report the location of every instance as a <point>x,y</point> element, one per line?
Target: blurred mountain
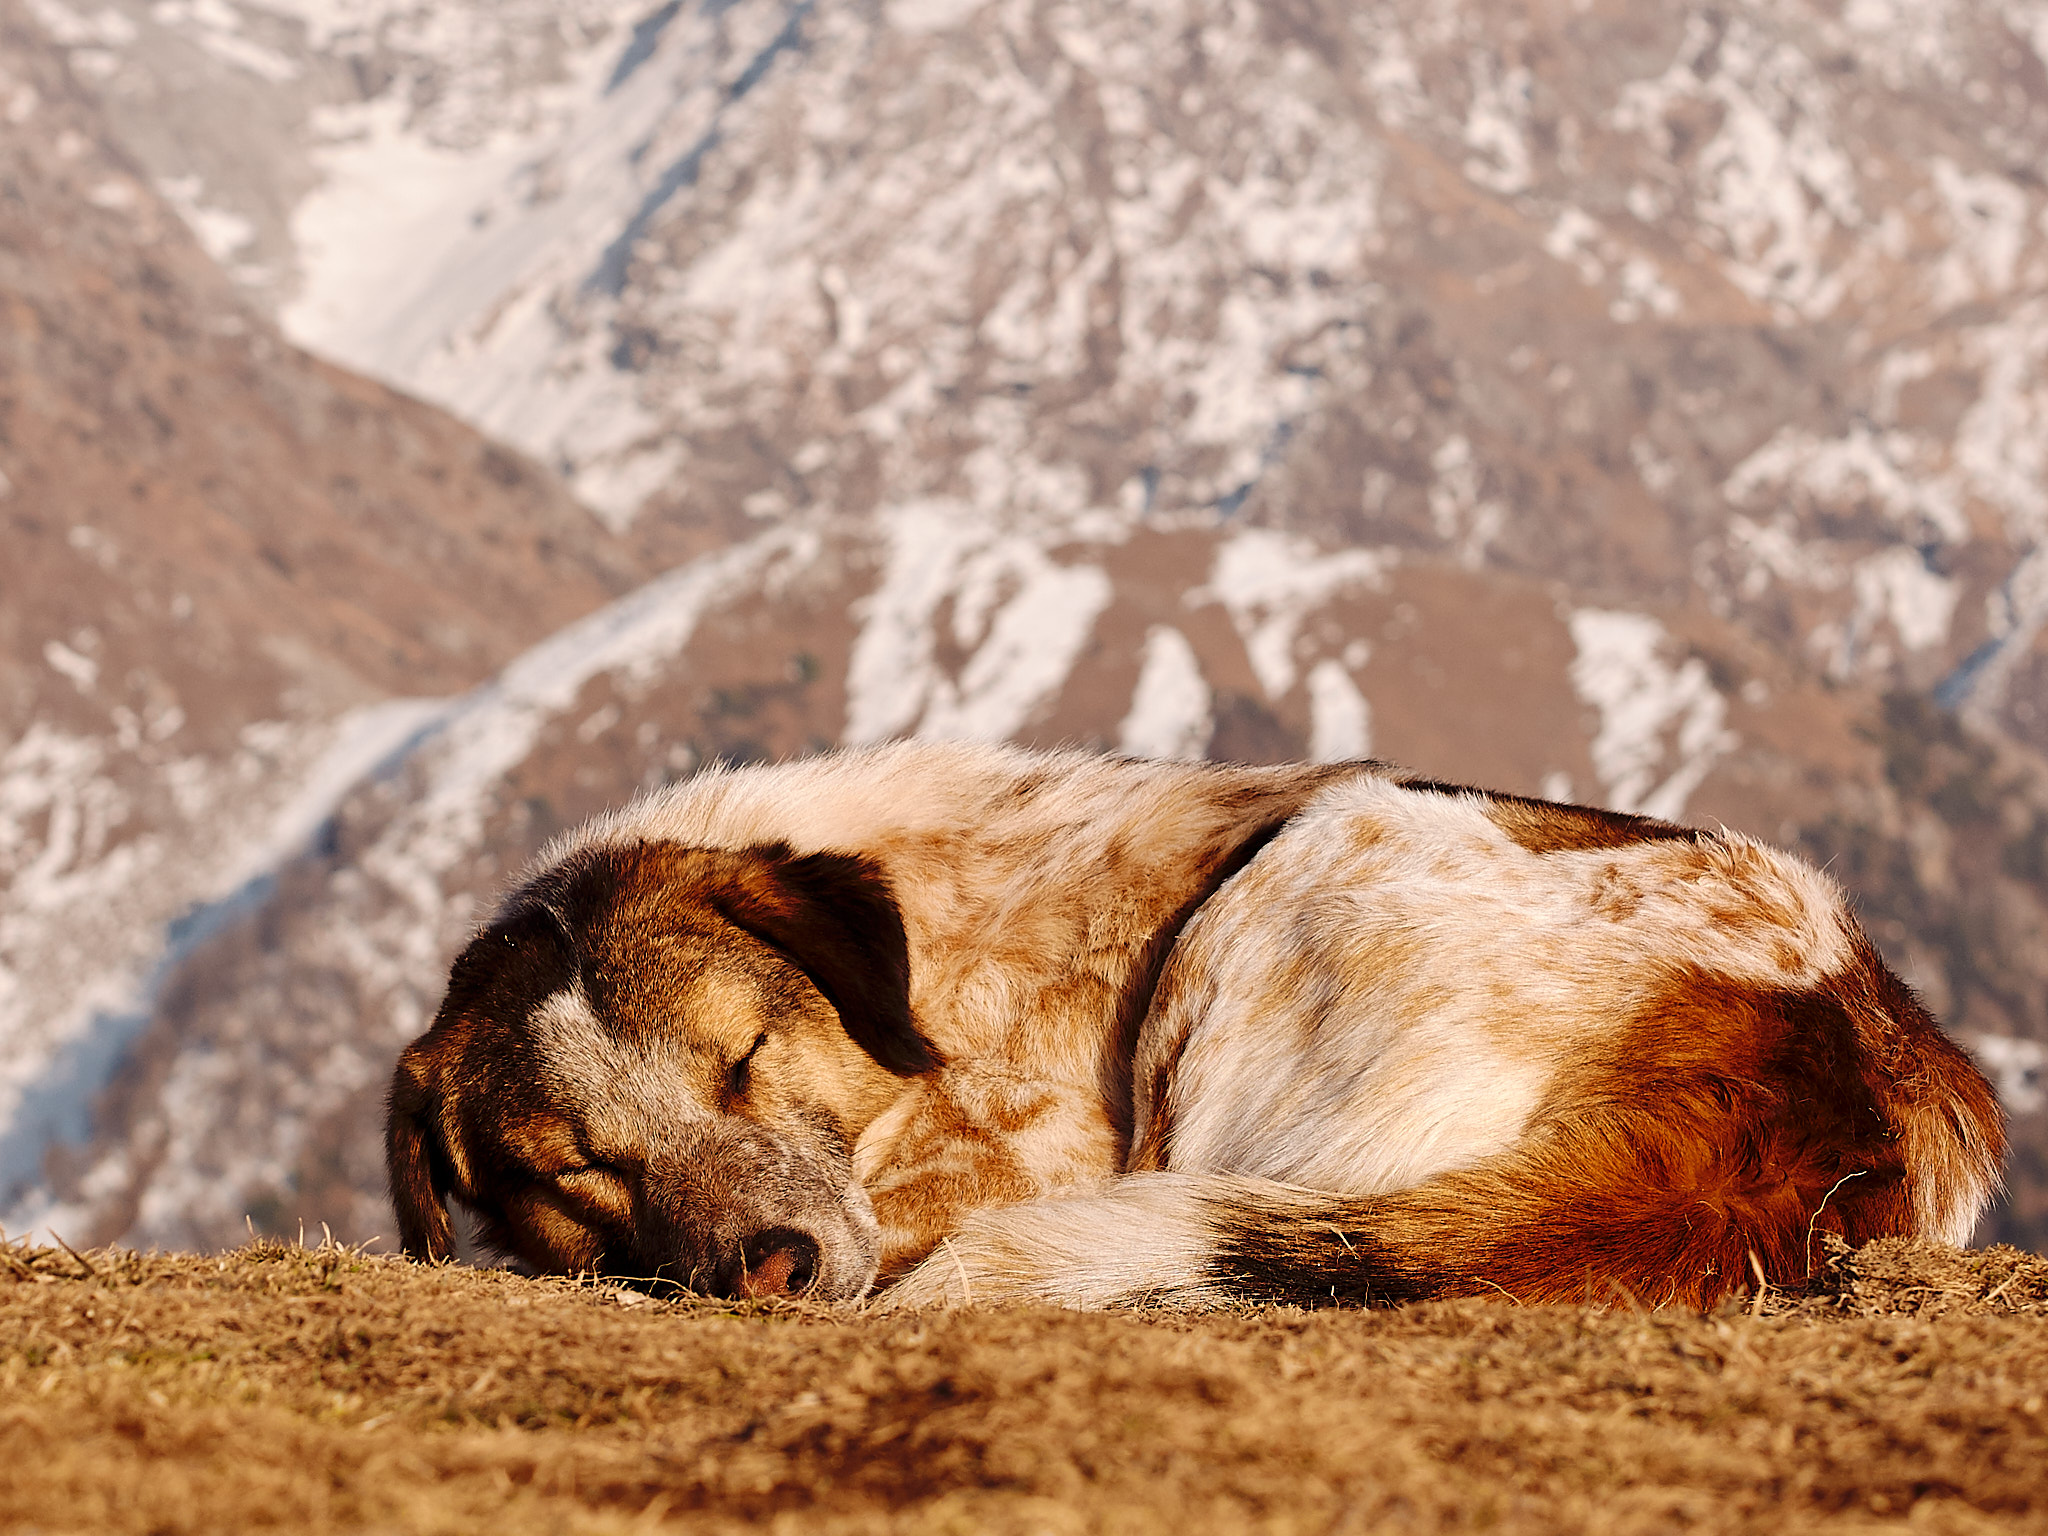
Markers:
<point>233,575</point>
<point>1642,405</point>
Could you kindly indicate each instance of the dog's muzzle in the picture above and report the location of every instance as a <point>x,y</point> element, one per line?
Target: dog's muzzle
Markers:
<point>732,1210</point>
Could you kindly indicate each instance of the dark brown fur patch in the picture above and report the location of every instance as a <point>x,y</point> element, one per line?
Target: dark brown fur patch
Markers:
<point>832,913</point>
<point>502,974</point>
<point>639,913</point>
<point>1546,826</point>
<point>417,1164</point>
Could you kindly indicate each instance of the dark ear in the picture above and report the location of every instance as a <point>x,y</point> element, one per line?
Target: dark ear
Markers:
<point>833,914</point>
<point>416,1160</point>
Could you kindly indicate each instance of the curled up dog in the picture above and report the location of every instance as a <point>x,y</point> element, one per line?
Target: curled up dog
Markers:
<point>972,1023</point>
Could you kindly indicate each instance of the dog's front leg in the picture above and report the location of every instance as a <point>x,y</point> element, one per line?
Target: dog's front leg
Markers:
<point>969,1138</point>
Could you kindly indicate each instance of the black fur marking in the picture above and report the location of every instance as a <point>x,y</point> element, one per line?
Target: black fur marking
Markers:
<point>835,916</point>
<point>1281,1257</point>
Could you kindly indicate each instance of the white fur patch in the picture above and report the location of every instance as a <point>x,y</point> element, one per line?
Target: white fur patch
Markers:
<point>622,1090</point>
<point>1386,991</point>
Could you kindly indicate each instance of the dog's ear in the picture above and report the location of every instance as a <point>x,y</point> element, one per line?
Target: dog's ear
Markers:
<point>833,914</point>
<point>416,1158</point>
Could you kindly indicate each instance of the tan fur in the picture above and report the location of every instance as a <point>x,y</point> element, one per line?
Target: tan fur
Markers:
<point>1111,1029</point>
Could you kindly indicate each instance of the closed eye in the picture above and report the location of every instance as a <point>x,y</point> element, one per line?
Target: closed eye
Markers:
<point>595,1186</point>
<point>741,1071</point>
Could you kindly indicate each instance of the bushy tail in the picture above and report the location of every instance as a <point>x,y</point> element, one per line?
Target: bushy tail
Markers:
<point>1200,1240</point>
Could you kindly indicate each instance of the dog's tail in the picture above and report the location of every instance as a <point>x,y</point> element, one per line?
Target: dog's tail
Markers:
<point>1532,1228</point>
<point>1676,1181</point>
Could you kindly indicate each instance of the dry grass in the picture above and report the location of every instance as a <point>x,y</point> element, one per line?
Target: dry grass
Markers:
<point>326,1390</point>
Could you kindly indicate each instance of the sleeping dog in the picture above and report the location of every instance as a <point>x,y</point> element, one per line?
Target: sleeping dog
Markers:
<point>970,1023</point>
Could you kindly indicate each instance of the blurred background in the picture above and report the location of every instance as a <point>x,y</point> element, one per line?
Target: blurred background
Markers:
<point>424,425</point>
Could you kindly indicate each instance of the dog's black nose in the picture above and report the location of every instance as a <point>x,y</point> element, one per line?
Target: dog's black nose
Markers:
<point>780,1261</point>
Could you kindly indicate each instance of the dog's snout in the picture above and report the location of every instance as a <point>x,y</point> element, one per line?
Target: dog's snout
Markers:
<point>780,1261</point>
<point>733,1211</point>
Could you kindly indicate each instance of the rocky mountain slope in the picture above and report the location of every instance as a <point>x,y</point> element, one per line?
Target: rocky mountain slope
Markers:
<point>232,577</point>
<point>1644,406</point>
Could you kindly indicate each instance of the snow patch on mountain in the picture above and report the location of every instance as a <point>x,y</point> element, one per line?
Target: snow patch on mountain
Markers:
<point>1773,190</point>
<point>1173,709</point>
<point>1019,616</point>
<point>434,259</point>
<point>1268,581</point>
<point>1662,726</point>
<point>1895,585</point>
<point>1340,718</point>
<point>1989,218</point>
<point>1464,519</point>
<point>223,233</point>
<point>105,27</point>
<point>1892,470</point>
<point>2001,443</point>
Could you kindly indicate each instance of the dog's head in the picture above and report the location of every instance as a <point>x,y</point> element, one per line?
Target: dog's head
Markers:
<point>655,1064</point>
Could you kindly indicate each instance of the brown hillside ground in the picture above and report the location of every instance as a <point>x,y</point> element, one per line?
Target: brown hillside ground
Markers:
<point>325,1389</point>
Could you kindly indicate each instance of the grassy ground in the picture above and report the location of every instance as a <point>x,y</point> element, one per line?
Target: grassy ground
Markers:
<point>327,1390</point>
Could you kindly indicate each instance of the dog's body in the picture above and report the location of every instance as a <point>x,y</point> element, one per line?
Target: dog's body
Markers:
<point>984,1024</point>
